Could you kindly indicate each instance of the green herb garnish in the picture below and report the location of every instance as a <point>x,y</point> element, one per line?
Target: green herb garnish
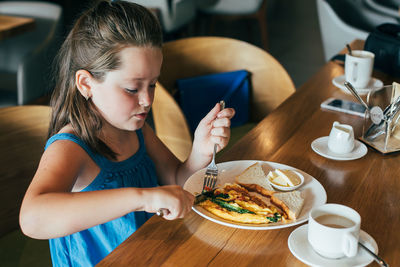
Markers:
<point>276,217</point>
<point>230,207</point>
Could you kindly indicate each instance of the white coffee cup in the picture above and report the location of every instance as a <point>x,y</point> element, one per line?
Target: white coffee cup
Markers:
<point>341,138</point>
<point>333,230</point>
<point>358,68</point>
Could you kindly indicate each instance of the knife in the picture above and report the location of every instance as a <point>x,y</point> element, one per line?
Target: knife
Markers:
<point>204,195</point>
<point>162,211</point>
<point>198,198</point>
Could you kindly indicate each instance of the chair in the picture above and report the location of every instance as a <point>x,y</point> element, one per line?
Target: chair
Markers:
<point>343,21</point>
<point>394,4</point>
<point>167,112</point>
<point>174,14</point>
<point>237,9</point>
<point>25,60</point>
<point>384,8</point>
<point>190,57</point>
<point>23,132</point>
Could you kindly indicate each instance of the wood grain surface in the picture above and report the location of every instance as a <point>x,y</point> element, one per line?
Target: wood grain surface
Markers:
<point>370,185</point>
<point>11,26</point>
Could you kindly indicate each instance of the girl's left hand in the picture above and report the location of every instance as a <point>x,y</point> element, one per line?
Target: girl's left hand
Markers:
<point>214,128</point>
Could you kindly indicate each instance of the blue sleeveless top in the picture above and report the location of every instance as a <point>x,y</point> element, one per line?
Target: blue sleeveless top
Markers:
<point>88,247</point>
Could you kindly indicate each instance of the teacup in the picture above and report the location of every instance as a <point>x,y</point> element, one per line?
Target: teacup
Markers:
<point>333,230</point>
<point>341,138</point>
<point>358,68</point>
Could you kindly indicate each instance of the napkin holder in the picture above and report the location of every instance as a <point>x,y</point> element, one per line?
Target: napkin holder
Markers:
<point>383,135</point>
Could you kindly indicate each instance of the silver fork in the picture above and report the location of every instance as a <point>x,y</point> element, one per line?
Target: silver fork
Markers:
<point>211,175</point>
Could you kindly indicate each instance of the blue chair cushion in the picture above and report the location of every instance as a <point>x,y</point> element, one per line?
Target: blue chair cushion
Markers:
<point>198,95</point>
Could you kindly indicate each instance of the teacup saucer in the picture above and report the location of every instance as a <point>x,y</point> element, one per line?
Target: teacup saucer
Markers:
<point>302,250</point>
<point>320,146</point>
<point>374,84</point>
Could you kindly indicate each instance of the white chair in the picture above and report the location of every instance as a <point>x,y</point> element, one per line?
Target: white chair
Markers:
<point>238,9</point>
<point>230,7</point>
<point>174,14</point>
<point>385,8</point>
<point>390,3</point>
<point>25,59</point>
<point>343,21</point>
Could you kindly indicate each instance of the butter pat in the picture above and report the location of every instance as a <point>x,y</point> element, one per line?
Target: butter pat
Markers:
<point>286,178</point>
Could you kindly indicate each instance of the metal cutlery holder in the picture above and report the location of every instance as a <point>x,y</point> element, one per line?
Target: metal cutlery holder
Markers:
<point>383,132</point>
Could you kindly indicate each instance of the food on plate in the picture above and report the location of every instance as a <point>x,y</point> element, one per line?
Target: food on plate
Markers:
<point>287,178</point>
<point>291,202</point>
<point>252,199</point>
<point>254,179</point>
<point>235,203</point>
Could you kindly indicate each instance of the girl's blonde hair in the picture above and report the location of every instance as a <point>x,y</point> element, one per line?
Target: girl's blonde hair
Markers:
<point>94,44</point>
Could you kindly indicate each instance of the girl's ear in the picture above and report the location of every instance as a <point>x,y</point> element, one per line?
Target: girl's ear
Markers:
<point>83,81</point>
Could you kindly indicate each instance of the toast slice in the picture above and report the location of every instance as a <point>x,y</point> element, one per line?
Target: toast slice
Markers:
<point>290,202</point>
<point>254,179</point>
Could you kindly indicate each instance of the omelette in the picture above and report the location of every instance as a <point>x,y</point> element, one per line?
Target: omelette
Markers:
<point>235,203</point>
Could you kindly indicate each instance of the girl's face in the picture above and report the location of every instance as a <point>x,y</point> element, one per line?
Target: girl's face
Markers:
<point>125,96</point>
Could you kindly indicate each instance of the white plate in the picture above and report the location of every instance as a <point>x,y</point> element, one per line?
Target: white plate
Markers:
<point>374,84</point>
<point>320,146</point>
<point>312,191</point>
<point>302,250</point>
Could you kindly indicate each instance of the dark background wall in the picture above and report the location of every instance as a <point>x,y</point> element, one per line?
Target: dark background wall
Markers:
<point>293,32</point>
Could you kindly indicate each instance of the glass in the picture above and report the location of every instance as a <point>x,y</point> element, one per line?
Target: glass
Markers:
<point>381,129</point>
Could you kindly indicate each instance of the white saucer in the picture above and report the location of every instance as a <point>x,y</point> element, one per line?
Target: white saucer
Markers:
<point>320,146</point>
<point>302,250</point>
<point>374,84</point>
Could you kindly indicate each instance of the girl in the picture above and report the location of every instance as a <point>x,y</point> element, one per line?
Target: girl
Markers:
<point>97,181</point>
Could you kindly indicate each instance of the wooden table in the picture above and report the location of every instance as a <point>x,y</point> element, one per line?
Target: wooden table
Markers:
<point>370,185</point>
<point>11,26</point>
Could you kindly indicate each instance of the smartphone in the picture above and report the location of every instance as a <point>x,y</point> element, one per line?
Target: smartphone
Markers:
<point>345,106</point>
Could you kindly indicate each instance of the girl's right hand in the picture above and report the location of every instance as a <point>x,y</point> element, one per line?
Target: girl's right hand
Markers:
<point>177,201</point>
